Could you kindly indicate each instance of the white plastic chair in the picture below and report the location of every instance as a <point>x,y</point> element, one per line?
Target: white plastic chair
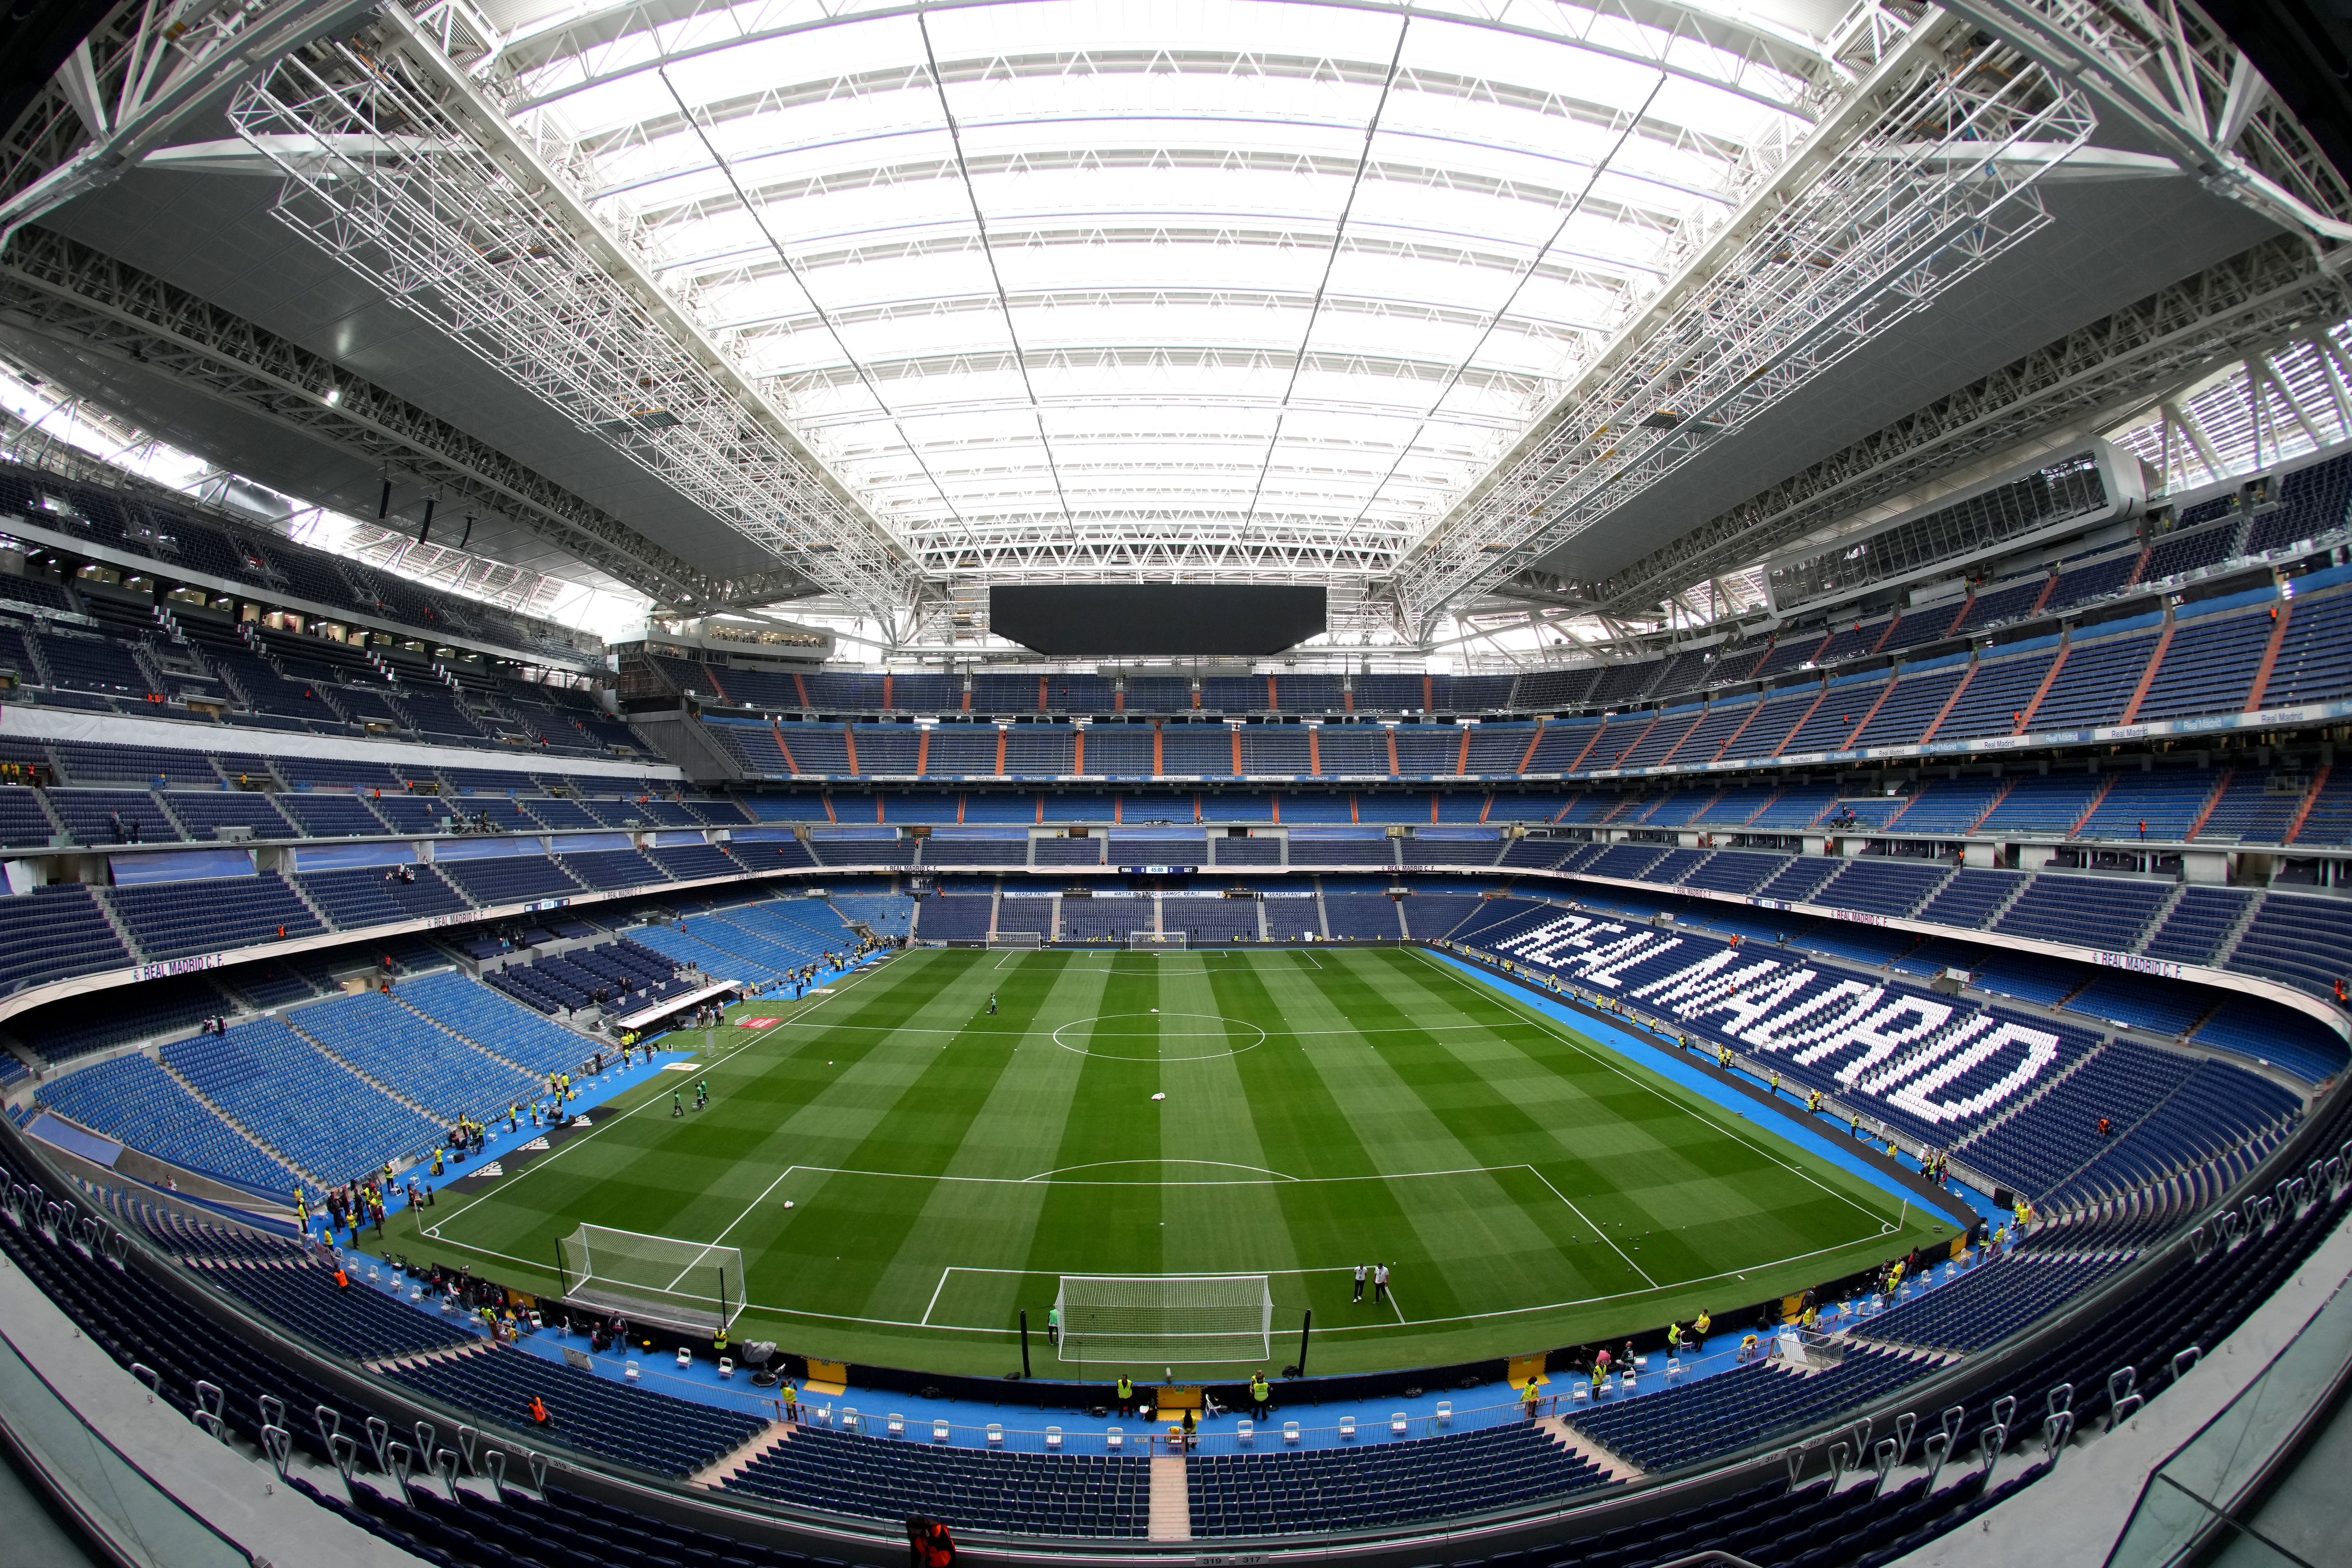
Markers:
<point>684,1356</point>
<point>1052,1439</point>
<point>725,1366</point>
<point>850,1421</point>
<point>1580,1392</point>
<point>995,1435</point>
<point>1397,1422</point>
<point>629,1371</point>
<point>1114,1438</point>
<point>1347,1428</point>
<point>896,1427</point>
<point>1446,1412</point>
<point>1290,1431</point>
<point>939,1431</point>
<point>1674,1368</point>
<point>1629,1380</point>
<point>1245,1433</point>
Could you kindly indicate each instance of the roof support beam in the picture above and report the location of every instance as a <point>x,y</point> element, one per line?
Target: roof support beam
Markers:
<point>2101,372</point>
<point>61,289</point>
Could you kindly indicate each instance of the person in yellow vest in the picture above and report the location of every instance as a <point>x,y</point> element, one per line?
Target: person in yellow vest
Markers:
<point>1704,1323</point>
<point>1261,1394</point>
<point>1530,1394</point>
<point>1126,1394</point>
<point>791,1404</point>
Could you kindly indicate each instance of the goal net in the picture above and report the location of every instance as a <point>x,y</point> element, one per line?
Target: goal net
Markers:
<point>1165,1317</point>
<point>658,1278</point>
<point>1024,941</point>
<point>1145,939</point>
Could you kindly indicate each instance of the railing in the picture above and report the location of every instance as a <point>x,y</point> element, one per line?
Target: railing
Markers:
<point>2195,1499</point>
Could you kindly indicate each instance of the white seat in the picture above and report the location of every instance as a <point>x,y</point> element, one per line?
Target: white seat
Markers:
<point>1114,1438</point>
<point>849,1419</point>
<point>1397,1419</point>
<point>1446,1412</point>
<point>725,1366</point>
<point>1052,1439</point>
<point>1629,1380</point>
<point>629,1371</point>
<point>1580,1392</point>
<point>1290,1431</point>
<point>1674,1368</point>
<point>939,1431</point>
<point>1347,1426</point>
<point>896,1427</point>
<point>1245,1433</point>
<point>684,1356</point>
<point>995,1435</point>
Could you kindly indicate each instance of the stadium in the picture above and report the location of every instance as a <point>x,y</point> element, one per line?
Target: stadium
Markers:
<point>1523,786</point>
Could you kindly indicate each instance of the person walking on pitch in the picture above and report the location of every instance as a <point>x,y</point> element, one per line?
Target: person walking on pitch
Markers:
<point>1379,1282</point>
<point>1359,1282</point>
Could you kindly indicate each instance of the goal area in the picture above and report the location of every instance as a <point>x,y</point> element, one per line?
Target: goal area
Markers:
<point>1170,1318</point>
<point>694,1285</point>
<point>1019,941</point>
<point>1142,941</point>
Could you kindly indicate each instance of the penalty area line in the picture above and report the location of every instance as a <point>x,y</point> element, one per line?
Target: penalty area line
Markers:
<point>570,1144</point>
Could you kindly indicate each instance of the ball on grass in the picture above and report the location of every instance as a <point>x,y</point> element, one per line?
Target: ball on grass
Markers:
<point>788,1203</point>
<point>1160,1096</point>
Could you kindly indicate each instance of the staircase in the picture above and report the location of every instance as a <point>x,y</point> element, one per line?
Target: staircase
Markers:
<point>1990,806</point>
<point>105,903</point>
<point>1940,884</point>
<point>242,1131</point>
<point>1992,915</point>
<point>2156,921</point>
<point>2026,1101</point>
<point>303,894</point>
<point>169,815</point>
<point>291,1020</point>
<point>2229,948</point>
<point>1171,1499</point>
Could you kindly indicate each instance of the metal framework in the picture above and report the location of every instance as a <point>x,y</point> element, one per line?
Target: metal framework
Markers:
<point>1938,181</point>
<point>2279,403</point>
<point>1250,307</point>
<point>2167,68</point>
<point>2090,378</point>
<point>64,289</point>
<point>385,175</point>
<point>124,90</point>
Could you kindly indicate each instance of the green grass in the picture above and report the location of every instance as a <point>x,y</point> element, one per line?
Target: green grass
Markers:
<point>1529,1189</point>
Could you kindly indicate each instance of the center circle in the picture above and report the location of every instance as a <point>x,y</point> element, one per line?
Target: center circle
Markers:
<point>1159,1037</point>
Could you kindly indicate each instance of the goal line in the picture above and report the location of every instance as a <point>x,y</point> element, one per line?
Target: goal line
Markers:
<point>695,1285</point>
<point>1188,1318</point>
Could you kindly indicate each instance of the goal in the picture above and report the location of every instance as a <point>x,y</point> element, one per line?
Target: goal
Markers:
<point>681,1284</point>
<point>1163,939</point>
<point>1172,1318</point>
<point>1020,941</point>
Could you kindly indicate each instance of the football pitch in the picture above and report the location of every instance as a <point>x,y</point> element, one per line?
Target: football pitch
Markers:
<point>1323,1107</point>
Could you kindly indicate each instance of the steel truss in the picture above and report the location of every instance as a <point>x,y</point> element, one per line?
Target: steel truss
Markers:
<point>125,89</point>
<point>2164,66</point>
<point>385,175</point>
<point>2091,376</point>
<point>1936,183</point>
<point>62,290</point>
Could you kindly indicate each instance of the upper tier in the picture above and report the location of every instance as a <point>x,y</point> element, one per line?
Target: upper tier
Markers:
<point>151,526</point>
<point>2267,657</point>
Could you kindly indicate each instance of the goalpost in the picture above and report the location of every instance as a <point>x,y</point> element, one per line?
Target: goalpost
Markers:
<point>1020,941</point>
<point>1191,1318</point>
<point>659,1279</point>
<point>1144,940</point>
